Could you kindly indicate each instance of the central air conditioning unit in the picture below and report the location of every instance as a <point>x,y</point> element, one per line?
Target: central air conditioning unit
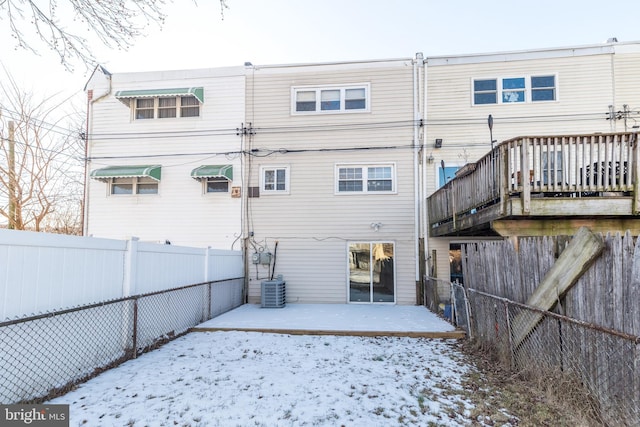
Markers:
<point>273,293</point>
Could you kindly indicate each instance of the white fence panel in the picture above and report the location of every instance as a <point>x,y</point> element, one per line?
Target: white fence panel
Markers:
<point>42,272</point>
<point>161,267</point>
<point>224,264</point>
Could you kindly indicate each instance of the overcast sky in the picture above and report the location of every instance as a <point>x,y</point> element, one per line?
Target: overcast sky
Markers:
<point>294,31</point>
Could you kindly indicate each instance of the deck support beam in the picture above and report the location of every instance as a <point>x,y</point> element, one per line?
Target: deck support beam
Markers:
<point>563,226</point>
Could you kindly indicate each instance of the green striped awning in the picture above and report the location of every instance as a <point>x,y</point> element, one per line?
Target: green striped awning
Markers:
<point>149,171</point>
<point>197,92</point>
<point>213,171</point>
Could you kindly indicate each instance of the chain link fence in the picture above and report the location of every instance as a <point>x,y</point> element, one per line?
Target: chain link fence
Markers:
<point>46,355</point>
<point>605,362</point>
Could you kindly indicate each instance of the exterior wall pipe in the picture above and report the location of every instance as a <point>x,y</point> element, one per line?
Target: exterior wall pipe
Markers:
<point>423,193</point>
<point>416,152</point>
<point>92,99</point>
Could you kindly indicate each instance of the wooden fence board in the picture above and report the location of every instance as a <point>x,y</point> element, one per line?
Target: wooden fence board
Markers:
<point>572,263</point>
<point>607,296</point>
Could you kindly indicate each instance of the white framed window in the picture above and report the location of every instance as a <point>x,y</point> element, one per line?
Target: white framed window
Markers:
<point>513,90</point>
<point>274,179</point>
<point>330,99</point>
<point>144,108</point>
<point>216,185</point>
<point>543,88</point>
<point>365,178</point>
<point>166,107</point>
<point>140,185</point>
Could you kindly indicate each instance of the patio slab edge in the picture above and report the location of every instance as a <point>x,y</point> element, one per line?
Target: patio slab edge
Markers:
<point>457,334</point>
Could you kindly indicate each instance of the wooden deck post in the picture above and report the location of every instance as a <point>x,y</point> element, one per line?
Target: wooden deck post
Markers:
<point>526,184</point>
<point>635,174</point>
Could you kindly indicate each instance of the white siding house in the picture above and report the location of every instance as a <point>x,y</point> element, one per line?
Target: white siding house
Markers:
<point>333,180</point>
<point>321,171</point>
<point>561,91</point>
<point>164,161</point>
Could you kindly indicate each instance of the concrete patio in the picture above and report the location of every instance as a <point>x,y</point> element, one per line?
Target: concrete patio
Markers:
<point>335,319</point>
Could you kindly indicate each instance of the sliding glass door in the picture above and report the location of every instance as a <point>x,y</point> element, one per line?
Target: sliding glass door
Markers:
<point>371,272</point>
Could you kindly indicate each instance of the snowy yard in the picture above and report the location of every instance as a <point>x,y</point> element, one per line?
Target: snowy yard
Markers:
<point>264,379</point>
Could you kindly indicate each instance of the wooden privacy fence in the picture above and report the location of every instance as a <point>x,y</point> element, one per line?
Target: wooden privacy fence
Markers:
<point>593,332</point>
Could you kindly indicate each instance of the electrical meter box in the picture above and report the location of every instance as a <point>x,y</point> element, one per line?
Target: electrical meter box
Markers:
<point>263,258</point>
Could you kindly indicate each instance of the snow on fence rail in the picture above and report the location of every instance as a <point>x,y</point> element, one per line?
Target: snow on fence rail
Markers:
<point>41,272</point>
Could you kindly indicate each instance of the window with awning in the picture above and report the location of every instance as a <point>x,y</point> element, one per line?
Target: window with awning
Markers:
<point>163,103</point>
<point>148,171</point>
<point>213,171</point>
<point>196,92</point>
<point>139,179</point>
<point>216,178</point>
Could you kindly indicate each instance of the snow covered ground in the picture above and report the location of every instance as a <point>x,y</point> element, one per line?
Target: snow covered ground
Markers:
<point>239,378</point>
<point>264,379</point>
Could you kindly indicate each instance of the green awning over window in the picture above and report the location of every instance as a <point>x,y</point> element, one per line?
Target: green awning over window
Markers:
<point>198,92</point>
<point>213,171</point>
<point>150,171</point>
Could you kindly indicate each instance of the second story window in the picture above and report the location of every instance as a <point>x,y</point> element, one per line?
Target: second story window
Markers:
<point>163,103</point>
<point>274,179</point>
<point>140,185</point>
<point>139,179</point>
<point>330,99</point>
<point>514,90</point>
<point>166,108</point>
<point>189,106</point>
<point>543,88</point>
<point>365,178</point>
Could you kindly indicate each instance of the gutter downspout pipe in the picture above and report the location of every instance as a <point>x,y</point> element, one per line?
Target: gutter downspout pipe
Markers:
<point>417,62</point>
<point>423,195</point>
<point>91,99</point>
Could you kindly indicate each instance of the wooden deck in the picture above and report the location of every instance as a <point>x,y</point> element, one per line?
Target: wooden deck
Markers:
<point>547,185</point>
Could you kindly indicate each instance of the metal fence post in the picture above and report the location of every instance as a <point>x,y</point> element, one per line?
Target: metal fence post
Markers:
<point>135,328</point>
<point>511,349</point>
<point>209,291</point>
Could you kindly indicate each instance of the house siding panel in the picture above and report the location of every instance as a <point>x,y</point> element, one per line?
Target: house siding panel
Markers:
<point>180,213</point>
<point>312,224</point>
<point>588,81</point>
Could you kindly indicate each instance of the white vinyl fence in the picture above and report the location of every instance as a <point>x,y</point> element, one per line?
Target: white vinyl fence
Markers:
<point>42,272</point>
<point>76,306</point>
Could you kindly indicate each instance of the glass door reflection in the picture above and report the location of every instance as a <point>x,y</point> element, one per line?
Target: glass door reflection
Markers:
<point>371,272</point>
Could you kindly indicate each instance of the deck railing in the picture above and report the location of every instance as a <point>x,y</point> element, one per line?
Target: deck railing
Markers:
<point>571,166</point>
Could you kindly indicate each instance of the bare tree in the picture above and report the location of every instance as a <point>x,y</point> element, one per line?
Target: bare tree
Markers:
<point>115,24</point>
<point>40,160</point>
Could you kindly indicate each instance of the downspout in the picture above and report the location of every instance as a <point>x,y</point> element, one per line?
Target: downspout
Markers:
<point>416,168</point>
<point>89,127</point>
<point>423,195</point>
